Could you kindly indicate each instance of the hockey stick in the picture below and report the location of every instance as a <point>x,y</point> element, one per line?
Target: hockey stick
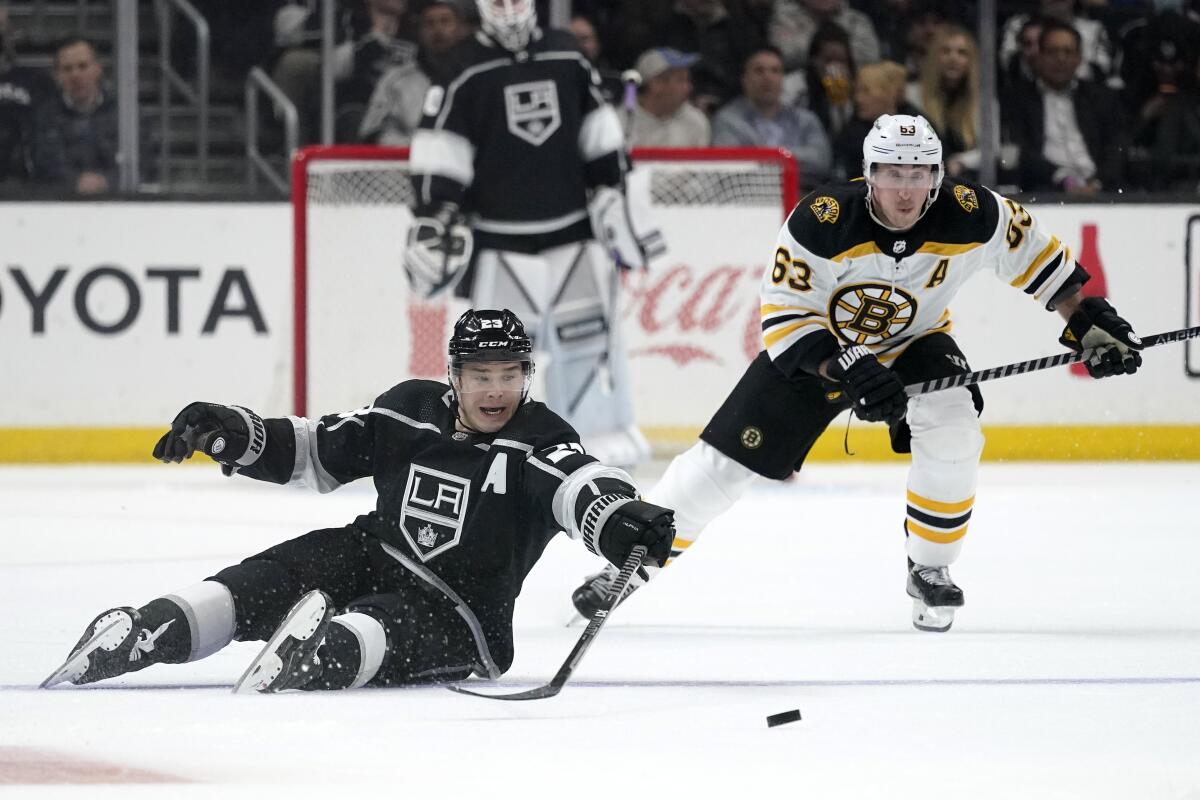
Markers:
<point>632,562</point>
<point>1035,364</point>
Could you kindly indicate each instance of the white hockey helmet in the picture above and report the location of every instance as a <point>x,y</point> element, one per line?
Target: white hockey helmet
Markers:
<point>903,139</point>
<point>510,22</point>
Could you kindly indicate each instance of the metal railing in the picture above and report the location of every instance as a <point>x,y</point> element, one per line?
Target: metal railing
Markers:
<point>258,82</point>
<point>38,14</point>
<point>169,78</point>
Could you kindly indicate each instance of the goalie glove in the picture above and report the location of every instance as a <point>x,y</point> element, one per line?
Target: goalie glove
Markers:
<point>612,225</point>
<point>437,250</point>
<point>232,436</point>
<point>1097,326</point>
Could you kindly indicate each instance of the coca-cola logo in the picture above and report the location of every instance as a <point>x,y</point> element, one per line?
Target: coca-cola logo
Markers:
<point>685,314</point>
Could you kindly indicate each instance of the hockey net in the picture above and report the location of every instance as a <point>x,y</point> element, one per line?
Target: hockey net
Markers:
<point>357,330</point>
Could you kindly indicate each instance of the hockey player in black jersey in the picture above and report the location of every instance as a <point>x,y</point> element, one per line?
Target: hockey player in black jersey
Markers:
<point>518,172</point>
<point>473,478</point>
<point>854,307</point>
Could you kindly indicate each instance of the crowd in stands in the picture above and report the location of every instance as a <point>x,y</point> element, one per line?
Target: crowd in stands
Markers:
<point>1092,95</point>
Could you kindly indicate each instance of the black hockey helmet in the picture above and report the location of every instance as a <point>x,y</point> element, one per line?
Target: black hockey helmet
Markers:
<point>489,335</point>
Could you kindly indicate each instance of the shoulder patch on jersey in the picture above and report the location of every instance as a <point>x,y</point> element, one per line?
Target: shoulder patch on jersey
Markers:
<point>826,209</point>
<point>433,101</point>
<point>966,198</point>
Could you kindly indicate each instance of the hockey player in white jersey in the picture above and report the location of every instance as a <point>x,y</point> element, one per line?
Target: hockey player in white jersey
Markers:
<point>518,170</point>
<point>854,307</point>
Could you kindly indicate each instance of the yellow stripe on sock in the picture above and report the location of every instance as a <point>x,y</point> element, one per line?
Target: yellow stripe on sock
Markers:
<point>681,544</point>
<point>940,507</point>
<point>935,536</point>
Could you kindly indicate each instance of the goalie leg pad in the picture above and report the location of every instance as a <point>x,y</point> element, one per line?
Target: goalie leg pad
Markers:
<point>946,446</point>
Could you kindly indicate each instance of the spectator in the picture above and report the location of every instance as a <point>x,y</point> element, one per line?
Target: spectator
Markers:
<point>394,112</point>
<point>905,28</point>
<point>589,42</point>
<point>948,94</point>
<point>663,116</point>
<point>1176,154</point>
<point>358,65</point>
<point>1017,74</point>
<point>75,134</point>
<point>722,41</point>
<point>1096,56</point>
<point>1159,54</point>
<point>758,118</point>
<point>878,89</point>
<point>295,66</point>
<point>1070,133</point>
<point>827,87</point>
<point>21,90</point>
<point>796,22</point>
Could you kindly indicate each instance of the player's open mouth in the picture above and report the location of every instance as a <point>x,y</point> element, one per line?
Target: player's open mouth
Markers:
<point>492,411</point>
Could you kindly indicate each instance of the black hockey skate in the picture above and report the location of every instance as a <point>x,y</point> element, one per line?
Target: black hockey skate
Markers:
<point>113,643</point>
<point>592,594</point>
<point>934,597</point>
<point>289,659</point>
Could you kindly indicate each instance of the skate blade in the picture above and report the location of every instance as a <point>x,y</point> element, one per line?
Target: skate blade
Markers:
<point>932,619</point>
<point>73,661</point>
<point>301,622</point>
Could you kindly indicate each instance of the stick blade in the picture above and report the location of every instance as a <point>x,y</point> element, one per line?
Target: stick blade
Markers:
<point>549,690</point>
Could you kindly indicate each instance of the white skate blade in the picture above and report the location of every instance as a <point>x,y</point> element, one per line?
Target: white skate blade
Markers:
<point>77,662</point>
<point>936,619</point>
<point>301,622</point>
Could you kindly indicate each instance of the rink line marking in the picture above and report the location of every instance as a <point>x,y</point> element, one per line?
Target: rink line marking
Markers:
<point>863,682</point>
<point>28,765</point>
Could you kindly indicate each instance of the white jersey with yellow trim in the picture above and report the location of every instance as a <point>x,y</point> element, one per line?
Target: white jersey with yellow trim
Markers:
<point>839,278</point>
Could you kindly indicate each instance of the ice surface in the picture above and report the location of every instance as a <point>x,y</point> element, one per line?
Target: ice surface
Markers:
<point>1073,670</point>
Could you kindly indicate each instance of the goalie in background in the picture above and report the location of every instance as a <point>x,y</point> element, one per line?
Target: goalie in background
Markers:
<point>473,481</point>
<point>518,169</point>
<point>854,307</point>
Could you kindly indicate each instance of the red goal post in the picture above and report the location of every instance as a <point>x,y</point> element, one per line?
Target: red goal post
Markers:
<point>357,331</point>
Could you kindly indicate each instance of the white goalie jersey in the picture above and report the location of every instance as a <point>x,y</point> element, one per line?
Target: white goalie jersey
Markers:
<point>838,278</point>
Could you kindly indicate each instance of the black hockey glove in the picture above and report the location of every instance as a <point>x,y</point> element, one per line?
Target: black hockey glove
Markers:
<point>875,393</point>
<point>230,435</point>
<point>1096,325</point>
<point>633,523</point>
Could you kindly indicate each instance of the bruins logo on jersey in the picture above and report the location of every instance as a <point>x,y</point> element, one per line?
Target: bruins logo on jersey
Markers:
<point>826,209</point>
<point>966,198</point>
<point>868,313</point>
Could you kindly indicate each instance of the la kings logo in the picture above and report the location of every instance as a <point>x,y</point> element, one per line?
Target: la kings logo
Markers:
<point>433,510</point>
<point>533,112</point>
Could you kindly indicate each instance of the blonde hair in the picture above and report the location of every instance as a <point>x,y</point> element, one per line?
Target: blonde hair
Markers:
<point>960,114</point>
<point>884,77</point>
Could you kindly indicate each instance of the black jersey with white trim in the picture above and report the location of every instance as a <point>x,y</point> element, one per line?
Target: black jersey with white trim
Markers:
<point>468,514</point>
<point>839,278</point>
<point>516,140</point>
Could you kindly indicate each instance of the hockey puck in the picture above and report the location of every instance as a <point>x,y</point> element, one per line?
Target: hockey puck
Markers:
<point>783,718</point>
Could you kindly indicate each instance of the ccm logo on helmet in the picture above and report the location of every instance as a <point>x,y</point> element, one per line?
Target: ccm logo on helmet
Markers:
<point>493,344</point>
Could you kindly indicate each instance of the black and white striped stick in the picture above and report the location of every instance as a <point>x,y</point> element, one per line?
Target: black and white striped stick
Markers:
<point>632,562</point>
<point>1035,364</point>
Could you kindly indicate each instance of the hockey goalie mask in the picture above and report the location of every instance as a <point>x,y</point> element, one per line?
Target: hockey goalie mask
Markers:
<point>491,368</point>
<point>902,153</point>
<point>510,23</point>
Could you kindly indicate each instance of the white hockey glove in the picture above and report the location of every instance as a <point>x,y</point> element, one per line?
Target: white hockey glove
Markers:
<point>437,251</point>
<point>613,227</point>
